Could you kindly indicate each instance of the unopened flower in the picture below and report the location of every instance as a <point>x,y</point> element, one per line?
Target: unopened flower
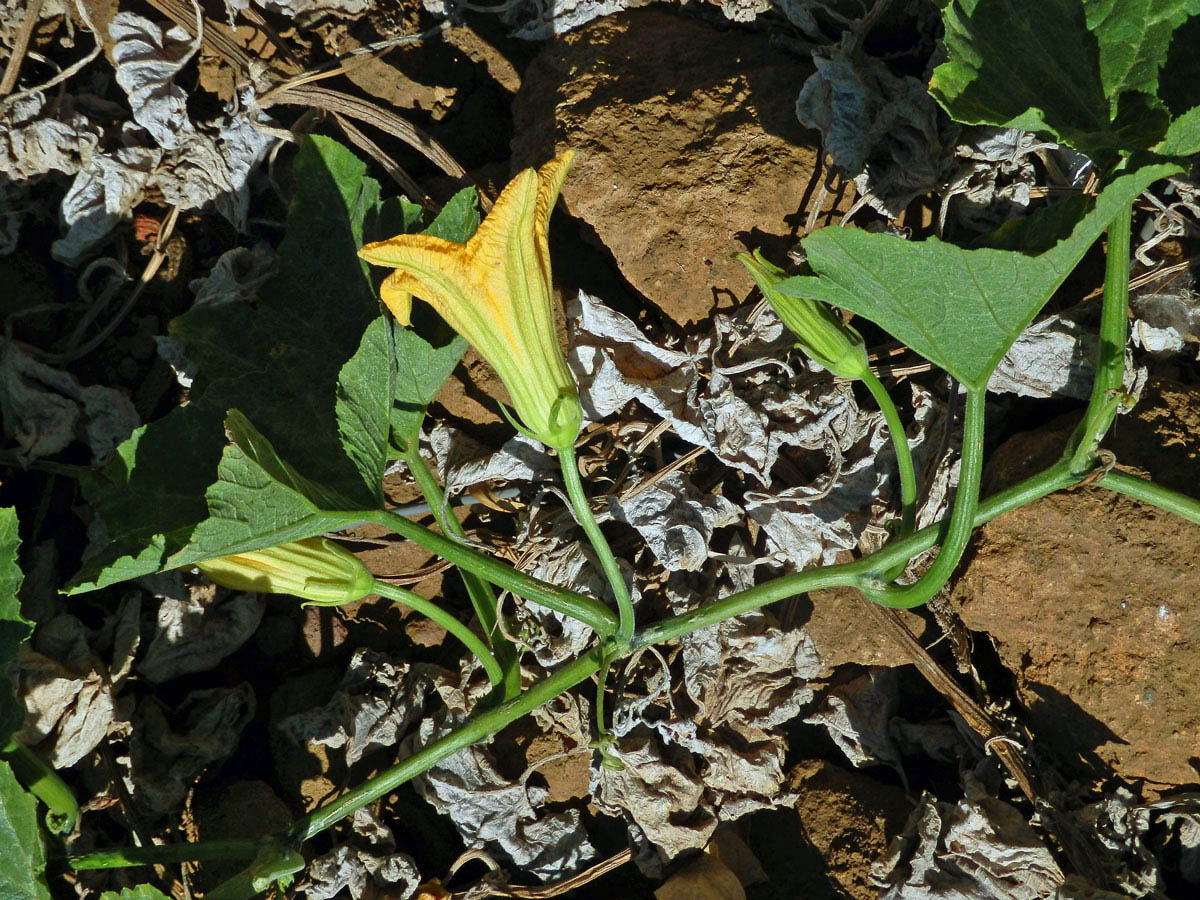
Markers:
<point>819,330</point>
<point>495,291</point>
<point>316,570</point>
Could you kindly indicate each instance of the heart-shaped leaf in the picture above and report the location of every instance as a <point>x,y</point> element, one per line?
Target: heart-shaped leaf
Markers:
<point>960,309</point>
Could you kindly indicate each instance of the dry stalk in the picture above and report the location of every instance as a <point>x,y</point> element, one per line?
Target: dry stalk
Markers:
<point>13,68</point>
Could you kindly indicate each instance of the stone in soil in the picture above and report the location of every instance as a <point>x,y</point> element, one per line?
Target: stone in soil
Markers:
<point>689,149</point>
<point>823,850</point>
<point>835,624</point>
<point>1090,600</point>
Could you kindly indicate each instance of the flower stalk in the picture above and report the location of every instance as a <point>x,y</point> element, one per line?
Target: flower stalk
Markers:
<point>608,562</point>
<point>836,346</point>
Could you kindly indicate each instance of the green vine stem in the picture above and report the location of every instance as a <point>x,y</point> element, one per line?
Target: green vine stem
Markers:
<point>1149,492</point>
<point>852,574</point>
<point>904,460</point>
<point>483,599</point>
<point>448,621</point>
<point>477,729</point>
<point>588,610</point>
<point>858,573</point>
<point>583,514</point>
<point>62,810</point>
<point>1110,357</point>
<point>488,723</point>
<point>962,517</point>
<point>123,857</point>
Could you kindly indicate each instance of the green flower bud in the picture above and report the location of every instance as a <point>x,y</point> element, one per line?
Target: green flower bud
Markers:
<point>316,570</point>
<point>819,330</point>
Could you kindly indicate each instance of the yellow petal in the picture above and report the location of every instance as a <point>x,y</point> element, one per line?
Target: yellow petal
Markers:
<point>550,181</point>
<point>445,275</point>
<point>515,204</point>
<point>397,295</point>
<point>397,251</point>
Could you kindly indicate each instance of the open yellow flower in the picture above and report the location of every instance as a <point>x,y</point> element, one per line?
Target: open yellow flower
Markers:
<point>495,291</point>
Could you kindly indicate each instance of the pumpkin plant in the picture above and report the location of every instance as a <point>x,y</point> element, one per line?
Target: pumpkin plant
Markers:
<point>233,485</point>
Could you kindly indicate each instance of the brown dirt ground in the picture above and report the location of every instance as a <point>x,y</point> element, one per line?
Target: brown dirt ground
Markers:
<point>1090,600</point>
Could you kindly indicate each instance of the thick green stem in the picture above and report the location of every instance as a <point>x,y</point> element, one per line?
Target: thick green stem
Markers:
<point>904,460</point>
<point>1110,357</point>
<point>483,599</point>
<point>1149,492</point>
<point>588,610</point>
<point>583,514</point>
<point>62,810</point>
<point>444,618</point>
<point>859,572</point>
<point>156,854</point>
<point>491,721</point>
<point>962,517</point>
<point>477,729</point>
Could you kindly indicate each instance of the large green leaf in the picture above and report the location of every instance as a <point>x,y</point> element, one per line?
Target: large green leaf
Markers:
<point>22,857</point>
<point>960,309</point>
<point>14,629</point>
<point>313,365</point>
<point>280,361</point>
<point>1085,71</point>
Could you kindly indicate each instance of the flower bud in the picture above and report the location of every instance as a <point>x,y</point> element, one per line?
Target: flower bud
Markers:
<point>819,330</point>
<point>315,570</point>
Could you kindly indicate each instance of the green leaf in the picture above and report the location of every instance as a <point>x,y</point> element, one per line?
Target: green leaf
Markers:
<point>422,366</point>
<point>22,856</point>
<point>1084,71</point>
<point>459,218</point>
<point>139,892</point>
<point>259,500</point>
<point>297,364</point>
<point>312,365</point>
<point>1183,136</point>
<point>280,360</point>
<point>1179,87</point>
<point>960,309</point>
<point>14,629</point>
<point>366,385</point>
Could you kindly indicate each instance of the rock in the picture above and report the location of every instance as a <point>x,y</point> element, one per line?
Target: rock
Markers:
<point>823,850</point>
<point>689,149</point>
<point>836,626</point>
<point>849,817</point>
<point>1090,599</point>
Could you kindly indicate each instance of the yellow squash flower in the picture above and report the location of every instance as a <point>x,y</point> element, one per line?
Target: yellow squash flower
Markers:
<point>495,291</point>
<point>316,570</point>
